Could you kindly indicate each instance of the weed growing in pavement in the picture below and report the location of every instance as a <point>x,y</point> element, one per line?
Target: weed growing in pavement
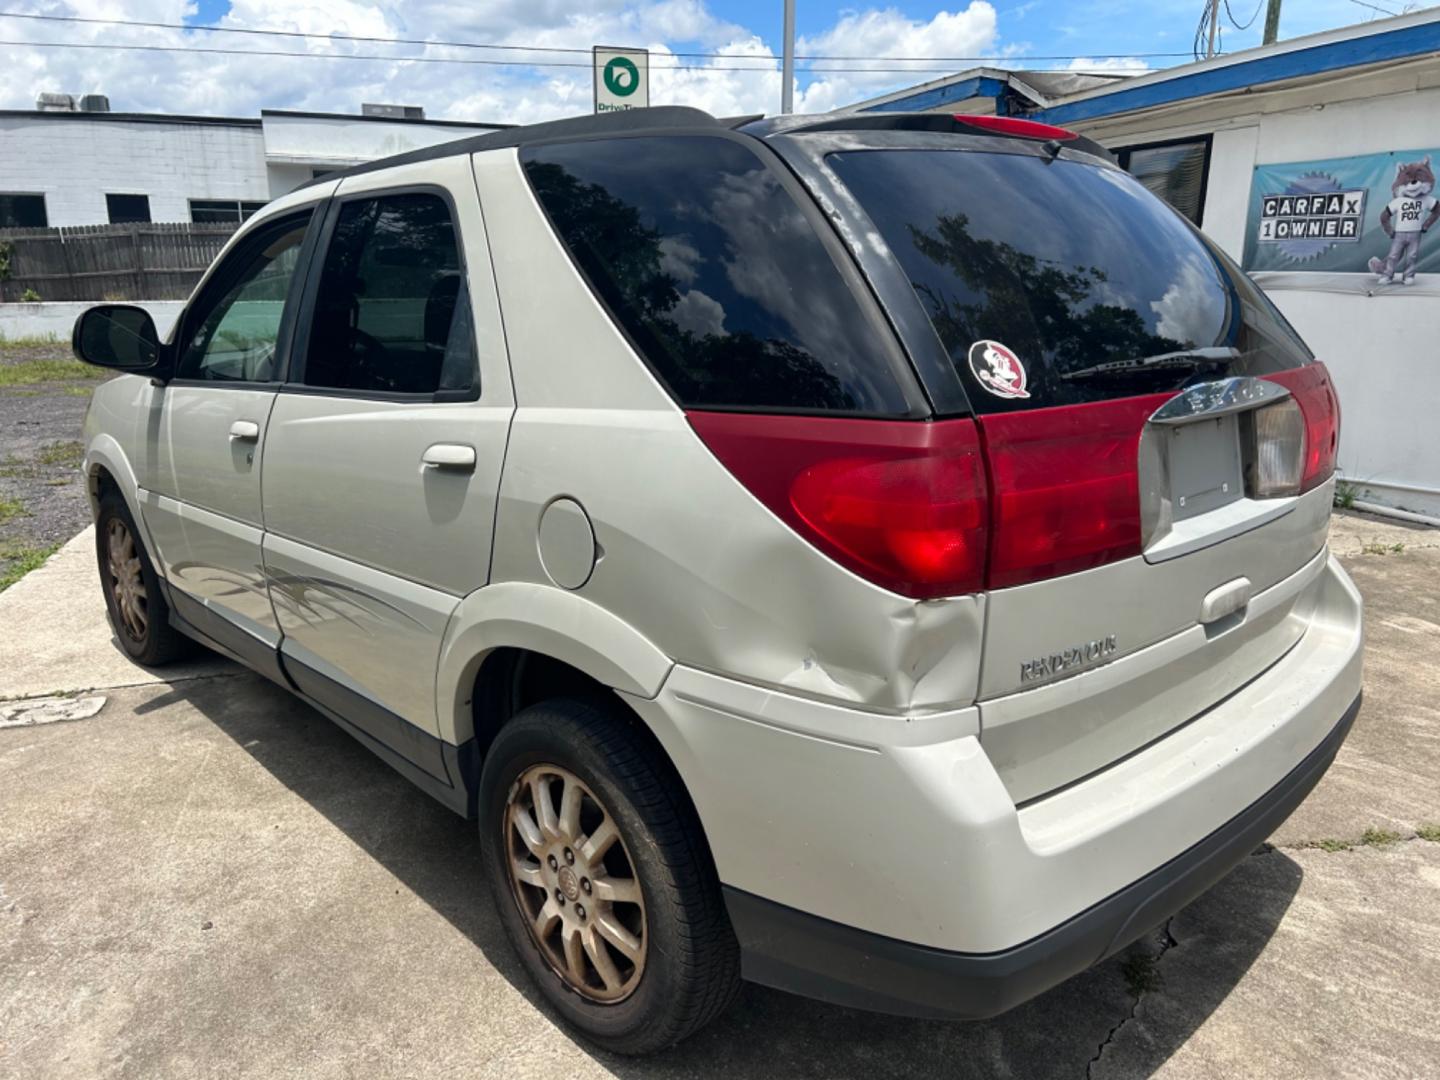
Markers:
<point>1382,549</point>
<point>1429,832</point>
<point>11,509</point>
<point>1345,494</point>
<point>1373,837</point>
<point>68,454</point>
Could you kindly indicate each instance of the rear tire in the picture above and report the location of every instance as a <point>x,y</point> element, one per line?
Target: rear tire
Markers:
<point>633,947</point>
<point>138,612</point>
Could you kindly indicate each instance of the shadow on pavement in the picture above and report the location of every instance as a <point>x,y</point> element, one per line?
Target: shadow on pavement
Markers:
<point>766,1033</point>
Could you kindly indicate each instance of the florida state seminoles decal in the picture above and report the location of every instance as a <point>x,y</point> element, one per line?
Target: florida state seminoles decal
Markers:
<point>998,369</point>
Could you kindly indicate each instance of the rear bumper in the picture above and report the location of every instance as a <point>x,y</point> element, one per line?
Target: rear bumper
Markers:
<point>804,954</point>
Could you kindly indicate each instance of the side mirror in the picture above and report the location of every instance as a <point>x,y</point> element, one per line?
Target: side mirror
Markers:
<point>119,336</point>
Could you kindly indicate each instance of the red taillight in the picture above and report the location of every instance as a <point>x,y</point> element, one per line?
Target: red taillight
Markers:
<point>1025,129</point>
<point>903,504</point>
<point>1315,394</point>
<point>1065,487</point>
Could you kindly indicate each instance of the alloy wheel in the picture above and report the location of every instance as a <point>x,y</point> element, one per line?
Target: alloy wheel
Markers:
<point>127,582</point>
<point>575,883</point>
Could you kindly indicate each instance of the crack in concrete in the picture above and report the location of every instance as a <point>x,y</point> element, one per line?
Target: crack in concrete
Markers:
<point>1167,943</point>
<point>128,686</point>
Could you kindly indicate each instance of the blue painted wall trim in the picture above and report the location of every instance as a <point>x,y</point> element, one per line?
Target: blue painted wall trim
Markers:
<point>980,86</point>
<point>1397,44</point>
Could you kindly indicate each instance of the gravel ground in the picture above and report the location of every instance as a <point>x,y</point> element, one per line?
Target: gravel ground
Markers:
<point>43,396</point>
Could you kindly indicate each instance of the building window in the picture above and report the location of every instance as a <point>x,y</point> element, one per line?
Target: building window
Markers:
<point>1176,171</point>
<point>221,211</point>
<point>23,212</point>
<point>316,174</point>
<point>124,209</point>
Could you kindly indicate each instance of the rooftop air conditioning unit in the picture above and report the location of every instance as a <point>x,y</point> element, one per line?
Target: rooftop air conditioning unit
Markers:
<point>394,112</point>
<point>94,103</point>
<point>49,102</point>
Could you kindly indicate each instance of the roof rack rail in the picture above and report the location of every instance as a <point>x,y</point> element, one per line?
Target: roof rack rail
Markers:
<point>1002,127</point>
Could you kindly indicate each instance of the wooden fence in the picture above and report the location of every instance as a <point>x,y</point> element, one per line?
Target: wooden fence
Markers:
<point>140,261</point>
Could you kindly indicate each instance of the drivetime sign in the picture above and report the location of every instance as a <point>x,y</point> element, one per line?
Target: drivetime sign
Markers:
<point>622,79</point>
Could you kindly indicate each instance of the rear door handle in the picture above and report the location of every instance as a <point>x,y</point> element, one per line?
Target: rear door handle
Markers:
<point>245,431</point>
<point>450,456</point>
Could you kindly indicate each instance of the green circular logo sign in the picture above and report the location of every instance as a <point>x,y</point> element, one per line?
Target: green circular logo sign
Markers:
<point>622,77</point>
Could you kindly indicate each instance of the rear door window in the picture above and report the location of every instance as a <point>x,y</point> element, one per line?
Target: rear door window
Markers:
<point>1057,282</point>
<point>719,278</point>
<point>392,314</point>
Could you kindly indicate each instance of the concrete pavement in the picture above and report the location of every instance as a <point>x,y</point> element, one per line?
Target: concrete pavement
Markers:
<point>209,879</point>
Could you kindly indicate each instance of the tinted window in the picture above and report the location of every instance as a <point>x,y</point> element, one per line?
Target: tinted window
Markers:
<point>716,275</point>
<point>127,208</point>
<point>22,212</point>
<point>1175,172</point>
<point>392,314</point>
<point>1067,265</point>
<point>236,326</point>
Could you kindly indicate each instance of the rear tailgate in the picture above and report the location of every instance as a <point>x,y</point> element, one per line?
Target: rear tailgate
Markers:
<point>1153,530</point>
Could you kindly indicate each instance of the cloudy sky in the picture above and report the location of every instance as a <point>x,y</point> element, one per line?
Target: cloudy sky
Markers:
<point>323,73</point>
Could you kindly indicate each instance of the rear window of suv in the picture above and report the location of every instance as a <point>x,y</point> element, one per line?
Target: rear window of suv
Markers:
<point>717,275</point>
<point>1089,285</point>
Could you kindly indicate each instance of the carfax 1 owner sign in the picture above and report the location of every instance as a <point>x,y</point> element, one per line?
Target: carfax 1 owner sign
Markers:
<point>1365,222</point>
<point>622,79</point>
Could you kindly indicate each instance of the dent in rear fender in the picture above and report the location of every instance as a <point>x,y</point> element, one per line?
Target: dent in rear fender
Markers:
<point>690,559</point>
<point>546,620</point>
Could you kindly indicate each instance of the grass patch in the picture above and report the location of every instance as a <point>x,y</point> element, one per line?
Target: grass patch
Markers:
<point>67,454</point>
<point>1382,549</point>
<point>1373,837</point>
<point>1326,845</point>
<point>1346,494</point>
<point>49,369</point>
<point>10,509</point>
<point>22,561</point>
<point>37,341</point>
<point>1429,832</point>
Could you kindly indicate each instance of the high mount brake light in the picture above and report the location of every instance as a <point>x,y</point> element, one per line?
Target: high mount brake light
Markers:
<point>1313,391</point>
<point>902,504</point>
<point>1024,129</point>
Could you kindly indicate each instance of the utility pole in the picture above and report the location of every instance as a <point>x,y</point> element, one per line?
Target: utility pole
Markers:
<point>1272,22</point>
<point>1214,27</point>
<point>787,68</point>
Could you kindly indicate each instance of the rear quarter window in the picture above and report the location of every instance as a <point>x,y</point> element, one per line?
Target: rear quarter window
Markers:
<point>719,279</point>
<point>1067,265</point>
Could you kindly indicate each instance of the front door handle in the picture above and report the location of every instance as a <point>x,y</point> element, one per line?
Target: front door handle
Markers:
<point>451,456</point>
<point>245,431</point>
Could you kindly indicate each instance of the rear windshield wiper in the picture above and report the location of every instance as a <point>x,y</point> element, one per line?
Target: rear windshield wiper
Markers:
<point>1185,358</point>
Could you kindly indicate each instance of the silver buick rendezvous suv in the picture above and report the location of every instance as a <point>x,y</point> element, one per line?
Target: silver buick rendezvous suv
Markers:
<point>882,557</point>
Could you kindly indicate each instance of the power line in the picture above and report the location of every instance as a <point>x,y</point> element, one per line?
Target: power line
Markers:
<point>553,48</point>
<point>1231,15</point>
<point>392,59</point>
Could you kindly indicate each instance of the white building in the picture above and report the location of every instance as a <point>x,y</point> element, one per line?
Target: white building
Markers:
<point>1241,144</point>
<point>70,166</point>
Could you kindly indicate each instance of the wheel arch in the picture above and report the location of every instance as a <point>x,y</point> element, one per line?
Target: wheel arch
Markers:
<point>500,624</point>
<point>108,469</point>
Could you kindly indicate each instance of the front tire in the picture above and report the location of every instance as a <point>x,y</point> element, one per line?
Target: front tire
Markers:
<point>602,877</point>
<point>138,612</point>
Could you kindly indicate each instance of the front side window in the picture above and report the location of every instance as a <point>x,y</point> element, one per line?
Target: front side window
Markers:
<point>235,338</point>
<point>392,314</point>
<point>716,275</point>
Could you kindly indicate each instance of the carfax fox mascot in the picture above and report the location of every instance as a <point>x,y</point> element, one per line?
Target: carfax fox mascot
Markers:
<point>1406,218</point>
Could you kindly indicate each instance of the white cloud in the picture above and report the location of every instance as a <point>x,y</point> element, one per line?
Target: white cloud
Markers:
<point>239,86</point>
<point>1111,65</point>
